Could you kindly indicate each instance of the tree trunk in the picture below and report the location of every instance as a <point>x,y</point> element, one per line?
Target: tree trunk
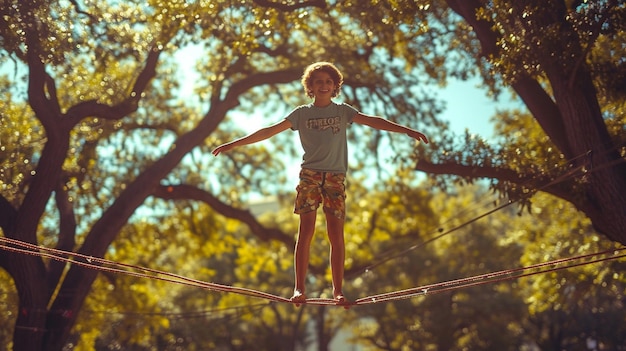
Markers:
<point>30,325</point>
<point>28,271</point>
<point>320,330</point>
<point>603,198</point>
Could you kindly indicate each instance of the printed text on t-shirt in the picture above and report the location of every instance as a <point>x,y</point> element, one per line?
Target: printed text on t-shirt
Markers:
<point>332,123</point>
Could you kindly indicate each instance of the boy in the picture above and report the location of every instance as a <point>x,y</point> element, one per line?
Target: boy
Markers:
<point>322,128</point>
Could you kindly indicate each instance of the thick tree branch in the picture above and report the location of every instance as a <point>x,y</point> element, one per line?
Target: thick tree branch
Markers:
<point>178,192</point>
<point>603,17</point>
<point>104,231</point>
<point>561,188</point>
<point>486,36</point>
<point>51,89</point>
<point>93,108</point>
<point>82,12</point>
<point>290,7</point>
<point>188,192</point>
<point>258,79</point>
<point>67,219</point>
<point>502,174</point>
<point>7,215</point>
<point>67,233</point>
<point>7,223</point>
<point>38,80</point>
<point>545,111</point>
<point>43,101</point>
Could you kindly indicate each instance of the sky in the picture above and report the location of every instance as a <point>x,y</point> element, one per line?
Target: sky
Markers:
<point>469,107</point>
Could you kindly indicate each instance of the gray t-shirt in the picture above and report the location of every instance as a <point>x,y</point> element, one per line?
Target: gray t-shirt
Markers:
<point>323,135</point>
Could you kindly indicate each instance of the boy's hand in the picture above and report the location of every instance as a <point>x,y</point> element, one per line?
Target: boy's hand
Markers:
<point>418,136</point>
<point>222,148</point>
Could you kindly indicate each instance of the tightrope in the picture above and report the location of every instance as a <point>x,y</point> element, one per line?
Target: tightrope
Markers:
<point>105,265</point>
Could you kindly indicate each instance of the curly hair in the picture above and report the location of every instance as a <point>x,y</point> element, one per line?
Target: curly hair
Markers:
<point>332,70</point>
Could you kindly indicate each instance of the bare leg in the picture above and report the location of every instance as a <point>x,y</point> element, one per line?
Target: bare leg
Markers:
<point>334,226</point>
<point>301,255</point>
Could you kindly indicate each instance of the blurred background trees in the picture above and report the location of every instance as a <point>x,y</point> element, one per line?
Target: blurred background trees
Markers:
<point>105,138</point>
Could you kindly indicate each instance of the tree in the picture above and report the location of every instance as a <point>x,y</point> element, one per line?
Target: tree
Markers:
<point>562,59</point>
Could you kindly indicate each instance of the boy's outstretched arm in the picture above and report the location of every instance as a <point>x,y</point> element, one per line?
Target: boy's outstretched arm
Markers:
<point>255,137</point>
<point>383,124</point>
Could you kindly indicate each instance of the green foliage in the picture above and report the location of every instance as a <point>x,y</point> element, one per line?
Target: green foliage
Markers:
<point>568,307</point>
<point>546,30</point>
<point>454,320</point>
<point>21,140</point>
<point>560,309</point>
<point>96,54</point>
<point>192,241</point>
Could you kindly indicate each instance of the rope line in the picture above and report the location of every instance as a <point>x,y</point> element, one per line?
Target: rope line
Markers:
<point>105,265</point>
<point>491,278</point>
<point>217,313</point>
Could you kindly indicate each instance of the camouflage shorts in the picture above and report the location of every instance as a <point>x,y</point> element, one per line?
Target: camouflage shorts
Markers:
<point>317,187</point>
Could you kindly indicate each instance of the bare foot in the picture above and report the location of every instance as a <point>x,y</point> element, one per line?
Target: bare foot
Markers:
<point>341,300</point>
<point>298,297</point>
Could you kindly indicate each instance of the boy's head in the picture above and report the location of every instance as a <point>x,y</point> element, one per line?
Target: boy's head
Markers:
<point>333,72</point>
